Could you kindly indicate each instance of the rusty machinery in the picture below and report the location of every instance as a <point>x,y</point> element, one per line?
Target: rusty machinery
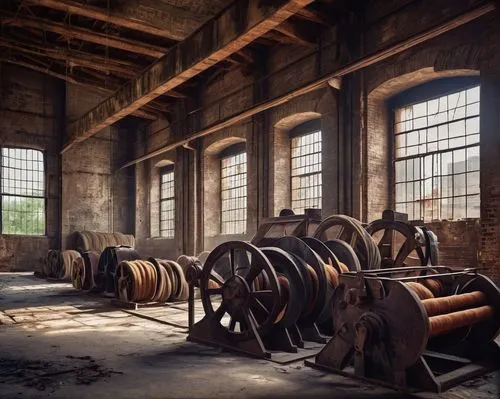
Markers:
<point>401,243</point>
<point>287,224</point>
<point>431,330</point>
<point>266,300</point>
<point>276,295</point>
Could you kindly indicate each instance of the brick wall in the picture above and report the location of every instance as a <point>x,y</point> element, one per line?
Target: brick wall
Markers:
<point>94,196</point>
<point>32,116</point>
<point>357,151</point>
<point>468,50</point>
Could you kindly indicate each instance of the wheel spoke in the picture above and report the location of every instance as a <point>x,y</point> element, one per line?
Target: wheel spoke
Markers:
<point>354,239</point>
<point>341,231</point>
<point>402,253</point>
<point>232,261</point>
<point>252,273</point>
<point>265,296</point>
<point>216,277</point>
<point>259,305</point>
<point>220,311</point>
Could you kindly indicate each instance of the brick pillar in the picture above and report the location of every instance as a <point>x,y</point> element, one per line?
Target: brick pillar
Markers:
<point>490,173</point>
<point>332,155</point>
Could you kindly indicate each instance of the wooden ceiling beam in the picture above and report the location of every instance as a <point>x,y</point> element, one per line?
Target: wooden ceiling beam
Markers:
<point>100,14</point>
<point>71,32</point>
<point>214,42</point>
<point>172,23</point>
<point>293,32</point>
<point>312,16</point>
<point>70,79</point>
<point>85,60</point>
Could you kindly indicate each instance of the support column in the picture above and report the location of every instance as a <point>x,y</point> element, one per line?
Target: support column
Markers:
<point>489,257</point>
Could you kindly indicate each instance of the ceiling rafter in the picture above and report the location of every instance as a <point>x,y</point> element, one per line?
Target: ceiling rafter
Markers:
<point>140,113</point>
<point>164,25</point>
<point>75,58</point>
<point>72,32</point>
<point>294,32</point>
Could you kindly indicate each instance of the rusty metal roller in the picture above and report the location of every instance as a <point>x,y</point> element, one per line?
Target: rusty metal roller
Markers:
<point>421,290</point>
<point>444,323</point>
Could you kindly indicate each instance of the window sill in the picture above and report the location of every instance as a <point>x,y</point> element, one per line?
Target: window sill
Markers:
<point>162,238</point>
<point>23,235</point>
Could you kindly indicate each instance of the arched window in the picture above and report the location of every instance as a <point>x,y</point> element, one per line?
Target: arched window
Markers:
<point>436,150</point>
<point>167,202</point>
<point>305,170</point>
<point>233,185</point>
<point>22,191</point>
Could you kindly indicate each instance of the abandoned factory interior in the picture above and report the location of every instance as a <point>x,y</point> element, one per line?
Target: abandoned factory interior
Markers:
<point>250,199</point>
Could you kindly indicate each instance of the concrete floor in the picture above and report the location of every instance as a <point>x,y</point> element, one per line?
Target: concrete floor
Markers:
<point>57,342</point>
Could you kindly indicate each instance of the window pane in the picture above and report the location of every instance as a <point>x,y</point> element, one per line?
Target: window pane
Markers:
<point>234,194</point>
<point>306,180</point>
<point>23,191</point>
<point>167,204</point>
<point>439,175</point>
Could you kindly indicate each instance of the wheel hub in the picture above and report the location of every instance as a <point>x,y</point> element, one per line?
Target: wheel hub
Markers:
<point>235,293</point>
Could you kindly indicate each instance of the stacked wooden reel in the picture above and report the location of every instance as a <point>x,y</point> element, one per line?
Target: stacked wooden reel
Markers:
<point>85,270</point>
<point>85,241</point>
<point>58,264</point>
<point>154,280</point>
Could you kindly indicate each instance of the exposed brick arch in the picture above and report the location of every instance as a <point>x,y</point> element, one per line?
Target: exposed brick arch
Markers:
<point>280,158</point>
<point>212,186</point>
<point>378,154</point>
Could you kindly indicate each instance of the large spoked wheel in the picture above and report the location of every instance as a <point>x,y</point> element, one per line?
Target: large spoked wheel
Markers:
<point>227,287</point>
<point>400,244</point>
<point>351,231</point>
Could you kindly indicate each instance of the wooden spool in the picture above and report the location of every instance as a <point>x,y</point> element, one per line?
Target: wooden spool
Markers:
<point>449,304</point>
<point>444,323</point>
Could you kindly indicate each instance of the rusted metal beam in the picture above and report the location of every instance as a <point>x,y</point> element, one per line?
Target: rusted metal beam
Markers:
<point>236,27</point>
<point>83,34</point>
<point>113,17</point>
<point>329,78</point>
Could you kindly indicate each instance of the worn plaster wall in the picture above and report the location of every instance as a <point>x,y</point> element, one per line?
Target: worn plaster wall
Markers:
<point>32,116</point>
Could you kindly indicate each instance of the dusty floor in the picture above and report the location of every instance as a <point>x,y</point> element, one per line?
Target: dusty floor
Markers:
<point>57,342</point>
